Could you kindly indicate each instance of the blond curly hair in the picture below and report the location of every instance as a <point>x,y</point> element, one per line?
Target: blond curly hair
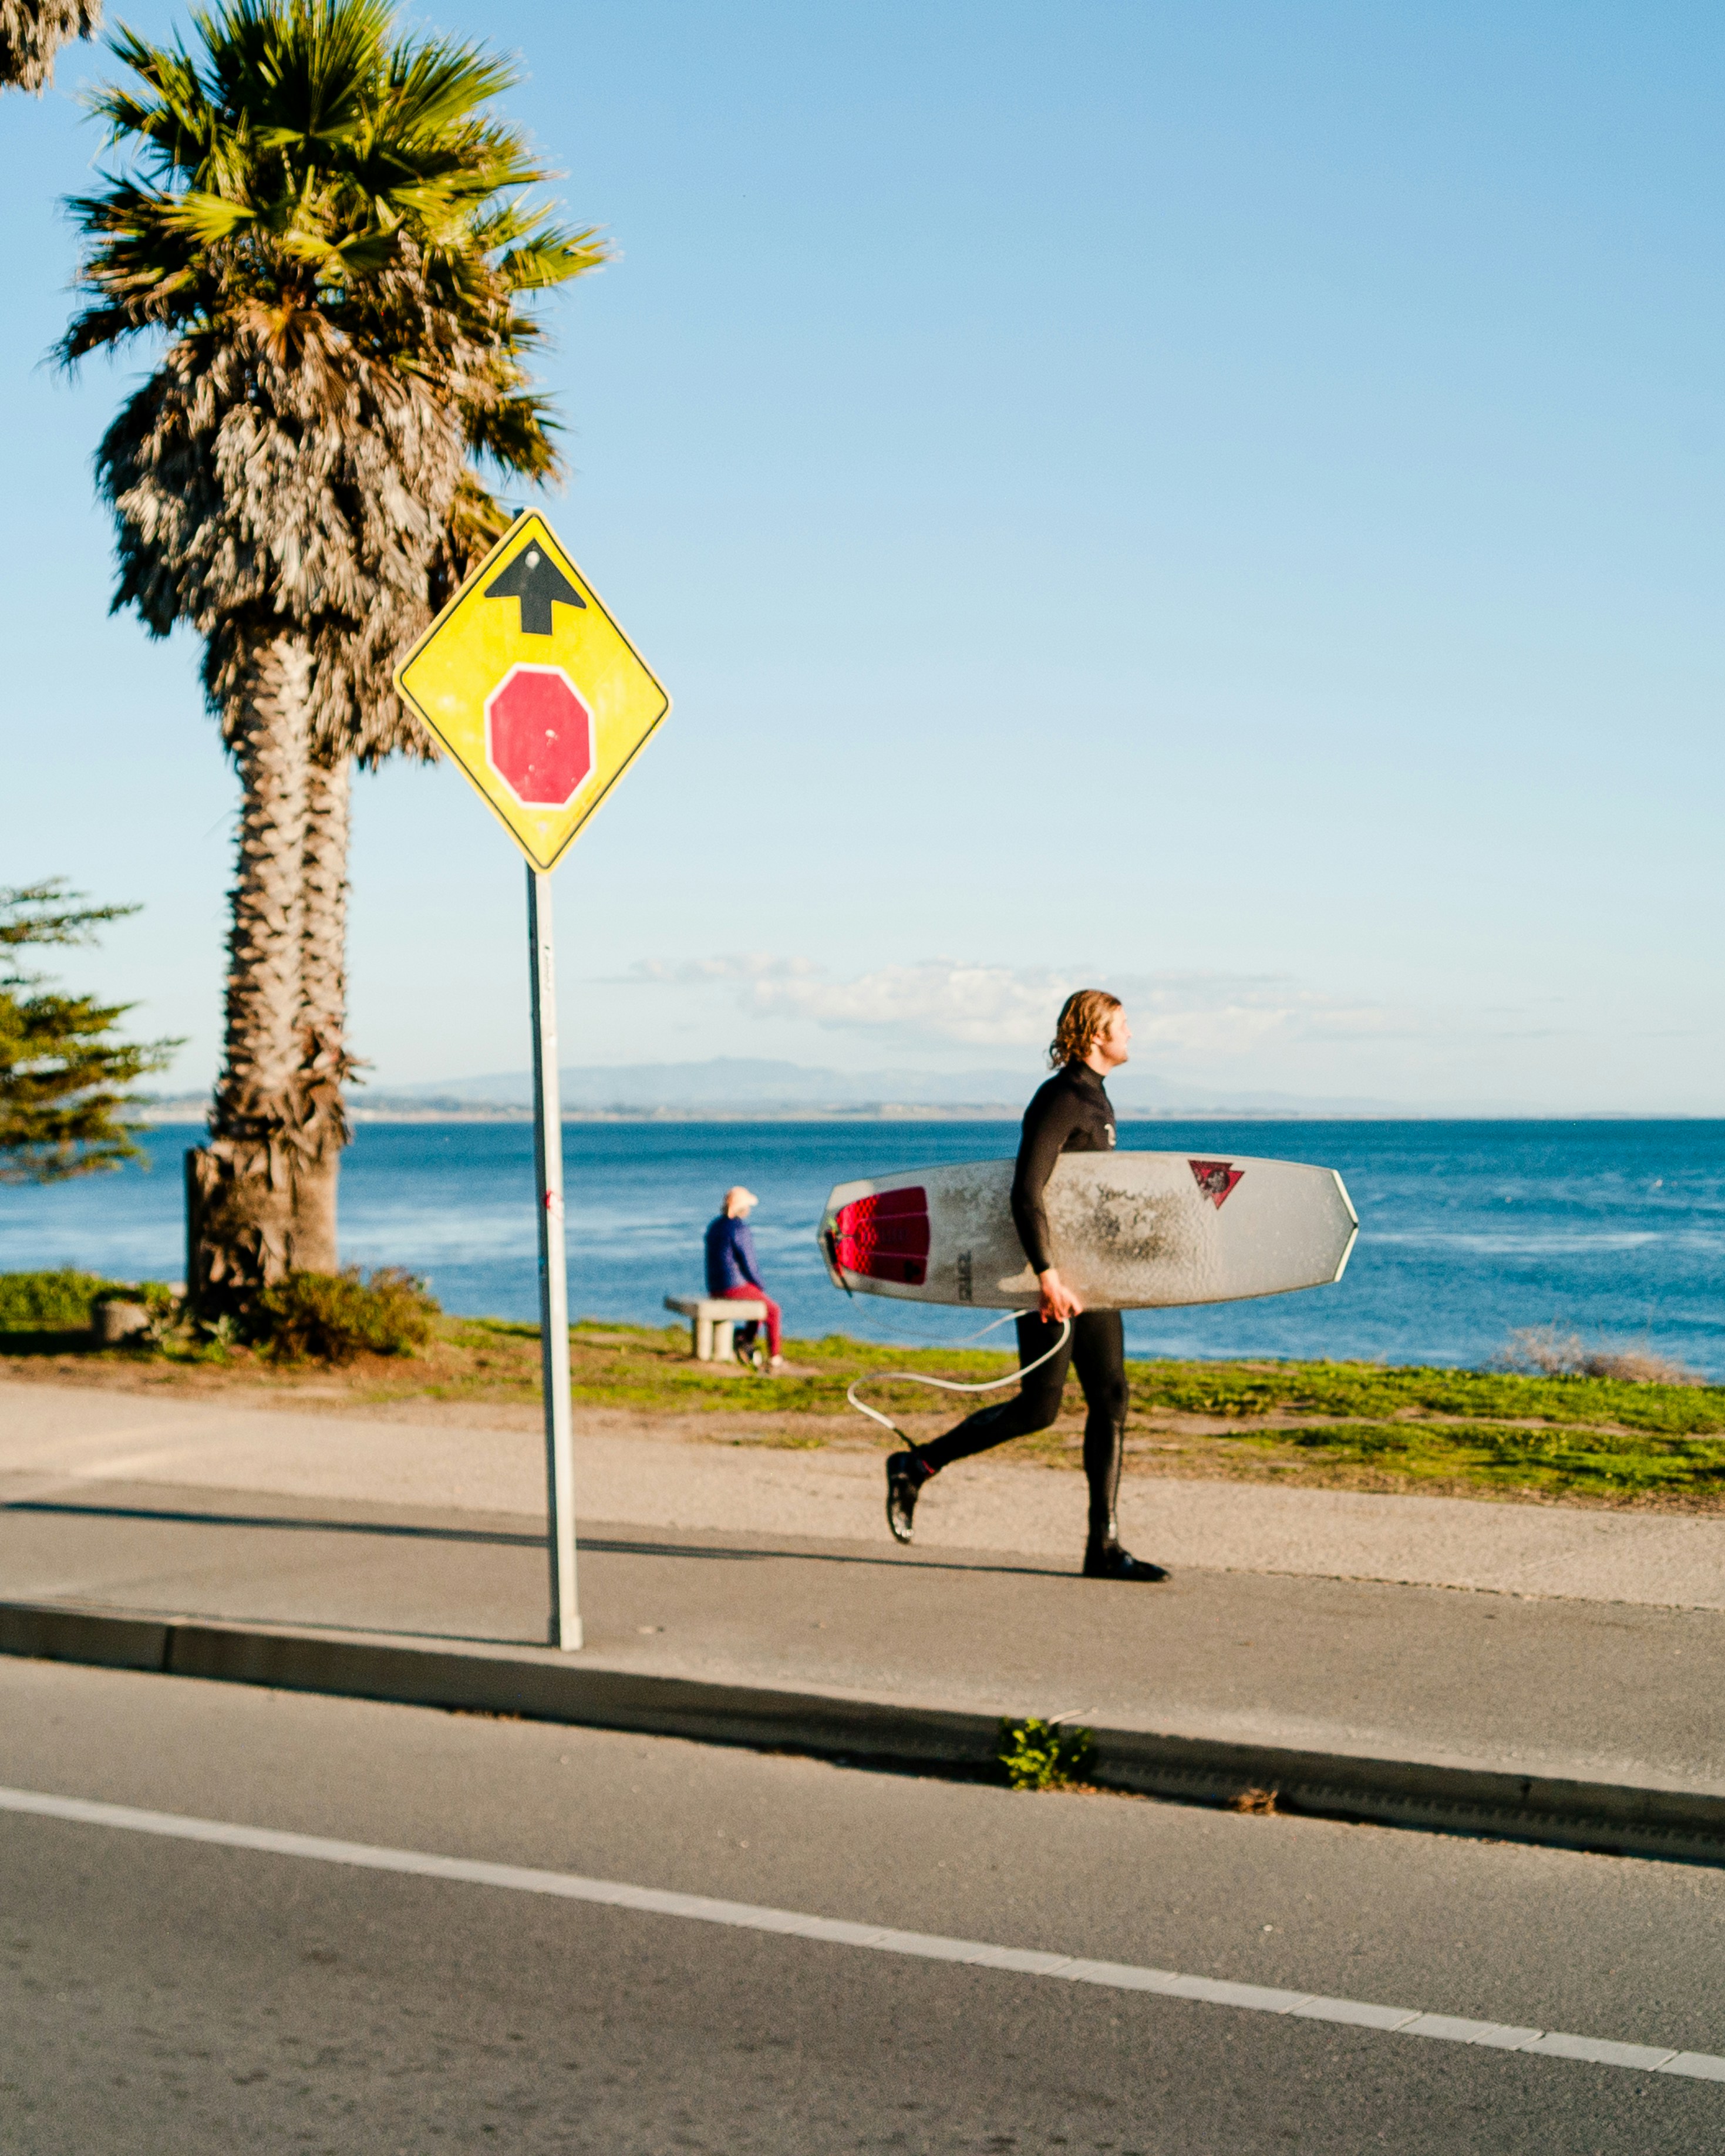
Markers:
<point>1084,1013</point>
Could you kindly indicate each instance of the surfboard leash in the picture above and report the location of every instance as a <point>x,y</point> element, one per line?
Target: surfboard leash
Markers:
<point>950,1385</point>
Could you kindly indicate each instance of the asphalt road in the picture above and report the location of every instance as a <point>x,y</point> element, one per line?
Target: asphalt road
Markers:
<point>170,1996</point>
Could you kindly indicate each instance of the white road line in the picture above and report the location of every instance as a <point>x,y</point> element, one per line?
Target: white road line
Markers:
<point>747,1916</point>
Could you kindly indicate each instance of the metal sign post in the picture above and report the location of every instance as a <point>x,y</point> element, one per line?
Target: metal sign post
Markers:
<point>553,1275</point>
<point>529,684</point>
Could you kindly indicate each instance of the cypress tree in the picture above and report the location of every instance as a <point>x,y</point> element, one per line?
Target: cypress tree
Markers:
<point>63,1077</point>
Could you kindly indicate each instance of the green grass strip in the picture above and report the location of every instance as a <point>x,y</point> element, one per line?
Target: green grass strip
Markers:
<point>1550,1462</point>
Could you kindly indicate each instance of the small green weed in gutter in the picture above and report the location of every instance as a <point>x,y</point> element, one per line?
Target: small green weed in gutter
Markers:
<point>1041,1755</point>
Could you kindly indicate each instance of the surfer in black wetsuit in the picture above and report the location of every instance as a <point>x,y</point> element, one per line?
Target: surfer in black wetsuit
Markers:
<point>1071,1113</point>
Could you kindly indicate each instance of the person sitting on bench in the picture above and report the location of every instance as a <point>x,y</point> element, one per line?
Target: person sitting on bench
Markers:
<point>733,1275</point>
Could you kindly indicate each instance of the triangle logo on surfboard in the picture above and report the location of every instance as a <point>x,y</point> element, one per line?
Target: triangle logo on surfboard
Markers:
<point>1215,1178</point>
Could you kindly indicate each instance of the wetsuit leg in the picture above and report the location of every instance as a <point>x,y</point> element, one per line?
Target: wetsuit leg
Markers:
<point>1033,1407</point>
<point>1099,1357</point>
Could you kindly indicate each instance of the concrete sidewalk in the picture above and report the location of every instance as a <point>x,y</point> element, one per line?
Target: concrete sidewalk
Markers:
<point>51,1433</point>
<point>406,1561</point>
<point>1531,1686</point>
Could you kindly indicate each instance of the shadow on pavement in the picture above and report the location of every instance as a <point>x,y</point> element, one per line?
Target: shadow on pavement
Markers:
<point>605,1545</point>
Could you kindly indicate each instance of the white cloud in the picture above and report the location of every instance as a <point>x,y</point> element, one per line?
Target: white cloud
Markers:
<point>693,972</point>
<point>973,1004</point>
<point>939,999</point>
<point>1220,1015</point>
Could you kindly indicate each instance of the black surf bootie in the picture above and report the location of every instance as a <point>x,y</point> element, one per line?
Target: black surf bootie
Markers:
<point>905,1473</point>
<point>1108,1561</point>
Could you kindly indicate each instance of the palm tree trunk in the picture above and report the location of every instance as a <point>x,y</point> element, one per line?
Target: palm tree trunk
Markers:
<point>324,1063</point>
<point>240,1186</point>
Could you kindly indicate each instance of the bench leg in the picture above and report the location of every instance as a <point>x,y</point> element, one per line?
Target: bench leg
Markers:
<point>703,1340</point>
<point>723,1329</point>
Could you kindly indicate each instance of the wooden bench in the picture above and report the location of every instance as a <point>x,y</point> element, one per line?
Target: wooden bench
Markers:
<point>711,1319</point>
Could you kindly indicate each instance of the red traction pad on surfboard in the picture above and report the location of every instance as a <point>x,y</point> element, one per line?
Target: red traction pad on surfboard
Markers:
<point>885,1237</point>
<point>1215,1178</point>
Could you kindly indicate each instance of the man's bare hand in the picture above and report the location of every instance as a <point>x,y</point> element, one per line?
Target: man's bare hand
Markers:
<point>1059,1302</point>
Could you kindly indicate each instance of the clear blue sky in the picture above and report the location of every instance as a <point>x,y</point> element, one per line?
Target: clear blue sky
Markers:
<point>1221,500</point>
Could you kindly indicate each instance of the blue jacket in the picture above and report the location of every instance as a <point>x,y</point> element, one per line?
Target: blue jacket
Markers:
<point>730,1256</point>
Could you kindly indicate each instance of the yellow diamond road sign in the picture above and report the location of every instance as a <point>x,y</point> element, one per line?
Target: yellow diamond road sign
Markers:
<point>533,690</point>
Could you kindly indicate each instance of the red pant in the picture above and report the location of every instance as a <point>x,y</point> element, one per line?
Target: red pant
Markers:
<point>754,1295</point>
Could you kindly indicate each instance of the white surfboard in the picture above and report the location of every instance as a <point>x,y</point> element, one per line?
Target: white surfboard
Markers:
<point>1129,1231</point>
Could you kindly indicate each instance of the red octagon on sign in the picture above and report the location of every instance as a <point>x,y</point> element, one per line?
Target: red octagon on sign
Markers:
<point>539,736</point>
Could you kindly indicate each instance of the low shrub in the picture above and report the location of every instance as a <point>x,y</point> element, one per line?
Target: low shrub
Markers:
<point>47,1303</point>
<point>1639,1366</point>
<point>331,1317</point>
<point>1041,1755</point>
<point>63,1300</point>
<point>1542,1350</point>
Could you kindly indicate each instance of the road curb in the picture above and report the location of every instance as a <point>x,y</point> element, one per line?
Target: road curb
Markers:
<point>1621,1819</point>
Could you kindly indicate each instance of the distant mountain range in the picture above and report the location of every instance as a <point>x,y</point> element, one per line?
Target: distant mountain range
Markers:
<point>743,1087</point>
<point>732,1082</point>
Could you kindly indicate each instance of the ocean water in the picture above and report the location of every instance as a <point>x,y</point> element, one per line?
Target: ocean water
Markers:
<point>1467,1230</point>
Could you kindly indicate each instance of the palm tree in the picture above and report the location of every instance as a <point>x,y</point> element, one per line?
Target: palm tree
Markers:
<point>33,31</point>
<point>330,233</point>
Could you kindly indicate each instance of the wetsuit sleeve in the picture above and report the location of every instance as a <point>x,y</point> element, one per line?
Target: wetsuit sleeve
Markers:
<point>1049,1121</point>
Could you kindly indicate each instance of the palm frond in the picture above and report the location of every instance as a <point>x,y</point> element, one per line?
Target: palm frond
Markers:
<point>515,432</point>
<point>203,218</point>
<point>553,259</point>
<point>33,31</point>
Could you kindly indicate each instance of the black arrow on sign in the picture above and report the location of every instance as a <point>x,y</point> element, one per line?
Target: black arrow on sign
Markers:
<point>535,580</point>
